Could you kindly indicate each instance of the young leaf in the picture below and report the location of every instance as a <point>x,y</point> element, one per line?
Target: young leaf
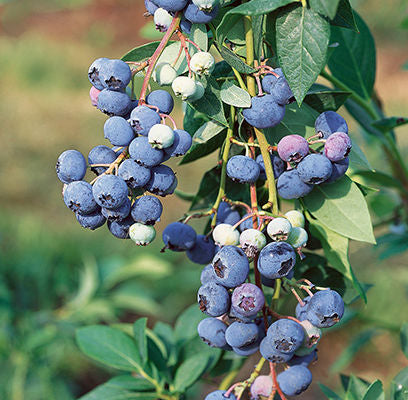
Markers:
<point>139,332</point>
<point>325,7</point>
<point>356,388</point>
<point>190,371</point>
<point>302,38</point>
<point>109,346</point>
<point>404,338</point>
<point>140,53</point>
<point>375,391</point>
<point>329,393</point>
<point>235,96</point>
<point>344,16</point>
<point>258,7</point>
<point>353,60</point>
<point>386,124</point>
<point>325,100</point>
<point>199,36</point>
<point>342,208</point>
<point>232,59</point>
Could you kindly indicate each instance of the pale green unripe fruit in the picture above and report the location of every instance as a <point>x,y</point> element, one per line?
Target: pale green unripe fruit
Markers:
<point>164,74</point>
<point>141,234</point>
<point>184,87</point>
<point>202,63</point>
<point>279,229</point>
<point>162,19</point>
<point>296,218</point>
<point>298,237</point>
<point>225,234</point>
<point>252,242</point>
<point>199,92</point>
<point>206,5</point>
<point>304,351</point>
<point>160,136</point>
<point>312,334</point>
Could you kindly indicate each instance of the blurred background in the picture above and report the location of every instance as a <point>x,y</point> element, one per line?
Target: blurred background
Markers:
<point>55,276</point>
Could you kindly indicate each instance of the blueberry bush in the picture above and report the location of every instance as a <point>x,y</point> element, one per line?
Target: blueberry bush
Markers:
<point>280,206</point>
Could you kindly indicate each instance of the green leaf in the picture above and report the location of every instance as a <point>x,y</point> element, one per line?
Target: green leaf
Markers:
<point>326,100</point>
<point>232,59</point>
<point>357,159</point>
<point>108,391</point>
<point>199,36</point>
<point>139,332</point>
<point>184,196</point>
<point>109,346</point>
<point>140,53</point>
<point>302,38</point>
<point>344,16</point>
<point>235,96</point>
<point>375,391</point>
<point>404,338</point>
<point>207,139</point>
<point>210,104</point>
<point>342,208</point>
<point>348,354</point>
<point>399,386</point>
<point>379,178</point>
<point>258,7</point>
<point>132,383</point>
<point>329,393</point>
<point>325,7</point>
<point>171,52</point>
<point>190,371</point>
<point>354,61</point>
<point>257,27</point>
<point>186,324</point>
<point>387,124</point>
<point>356,388</point>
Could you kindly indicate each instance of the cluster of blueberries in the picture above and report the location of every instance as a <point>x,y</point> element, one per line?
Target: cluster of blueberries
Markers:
<point>141,143</point>
<point>233,305</point>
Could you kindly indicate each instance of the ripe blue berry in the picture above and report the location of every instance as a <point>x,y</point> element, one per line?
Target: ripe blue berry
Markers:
<point>269,81</point>
<point>286,335</point>
<point>181,145</point>
<point>294,380</point>
<point>117,214</point>
<point>303,360</point>
<point>91,221</point>
<point>143,153</point>
<point>240,334</point>
<point>227,215</point>
<point>314,169</point>
<point>93,72</point>
<point>133,174</point>
<point>337,146</point>
<point>243,169</point>
<point>114,103</point>
<point>162,181</point>
<point>161,99</point>
<point>246,351</point>
<point>247,224</point>
<point>110,191</point>
<point>276,260</point>
<point>213,299</point>
<point>329,122</point>
<point>247,299</point>
<point>101,155</point>
<point>196,16</point>
<point>290,186</point>
<point>150,6</point>
<point>270,353</point>
<point>281,91</point>
<point>264,112</point>
<point>179,237</point>
<point>207,275</point>
<point>171,5</point>
<point>147,210</point>
<point>293,148</point>
<point>120,229</point>
<point>300,311</point>
<point>142,118</point>
<point>219,395</point>
<point>78,197</point>
<point>278,166</point>
<point>115,75</point>
<point>231,266</point>
<point>203,250</point>
<point>339,168</point>
<point>212,332</point>
<point>185,25</point>
<point>142,234</point>
<point>71,166</point>
<point>118,131</point>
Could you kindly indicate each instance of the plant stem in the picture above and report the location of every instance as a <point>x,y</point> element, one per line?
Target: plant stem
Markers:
<point>249,42</point>
<point>229,378</point>
<point>239,79</point>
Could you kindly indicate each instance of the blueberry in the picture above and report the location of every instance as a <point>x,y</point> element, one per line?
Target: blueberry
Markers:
<point>207,275</point>
<point>303,360</point>
<point>248,350</point>
<point>114,103</point>
<point>212,332</point>
<point>219,395</point>
<point>135,175</point>
<point>101,155</point>
<point>290,186</point>
<point>262,386</point>
<point>171,5</point>
<point>339,168</point>
<point>93,72</point>
<point>240,334</point>
<point>117,214</point>
<point>198,93</point>
<point>164,74</point>
<point>185,25</point>
<point>278,166</point>
<point>285,335</point>
<point>120,229</point>
<point>142,118</point>
<point>162,100</point>
<point>279,229</point>
<point>294,380</point>
<point>247,224</point>
<point>206,5</point>
<point>202,63</point>
<point>162,182</point>
<point>293,148</point>
<point>329,122</point>
<point>150,6</point>
<point>160,136</point>
<point>226,214</point>
<point>267,281</point>
<point>115,75</point>
<point>225,234</point>
<point>312,334</point>
<point>162,19</point>
<point>71,166</point>
<point>301,310</point>
<point>325,309</point>
<point>184,87</point>
<point>147,210</point>
<point>264,112</point>
<point>179,237</point>
<point>252,241</point>
<point>143,153</point>
<point>268,82</point>
<point>243,169</point>
<point>142,234</point>
<point>337,146</point>
<point>270,353</point>
<point>298,237</point>
<point>281,91</point>
<point>203,251</point>
<point>247,299</point>
<point>182,143</point>
<point>213,299</point>
<point>110,191</point>
<point>91,221</point>
<point>196,16</point>
<point>276,260</point>
<point>78,197</point>
<point>118,131</point>
<point>94,94</point>
<point>231,266</point>
<point>315,169</point>
<point>296,218</point>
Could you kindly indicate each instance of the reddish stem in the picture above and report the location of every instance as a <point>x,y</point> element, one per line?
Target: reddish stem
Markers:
<point>194,44</point>
<point>178,55</point>
<point>275,381</point>
<point>259,84</point>
<point>300,301</point>
<point>184,44</point>
<point>164,116</point>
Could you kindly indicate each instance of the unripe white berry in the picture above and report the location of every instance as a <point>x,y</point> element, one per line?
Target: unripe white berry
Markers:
<point>202,63</point>
<point>160,136</point>
<point>162,19</point>
<point>206,5</point>
<point>199,92</point>
<point>312,334</point>
<point>164,74</point>
<point>252,242</point>
<point>296,218</point>
<point>279,229</point>
<point>225,234</point>
<point>298,237</point>
<point>184,87</point>
<point>141,234</point>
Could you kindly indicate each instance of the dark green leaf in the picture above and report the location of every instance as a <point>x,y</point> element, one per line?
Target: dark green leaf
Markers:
<point>357,159</point>
<point>404,338</point>
<point>109,346</point>
<point>199,36</point>
<point>228,24</point>
<point>329,393</point>
<point>232,59</point>
<point>190,371</point>
<point>139,332</point>
<point>342,208</point>
<point>257,27</point>
<point>356,388</point>
<point>131,383</point>
<point>257,7</point>
<point>186,324</point>
<point>325,7</point>
<point>166,334</point>
<point>375,391</point>
<point>112,392</point>
<point>353,61</point>
<point>184,196</point>
<point>235,96</point>
<point>326,100</point>
<point>399,386</point>
<point>302,37</point>
<point>386,124</point>
<point>344,16</point>
<point>379,178</point>
<point>140,53</point>
<point>207,192</point>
